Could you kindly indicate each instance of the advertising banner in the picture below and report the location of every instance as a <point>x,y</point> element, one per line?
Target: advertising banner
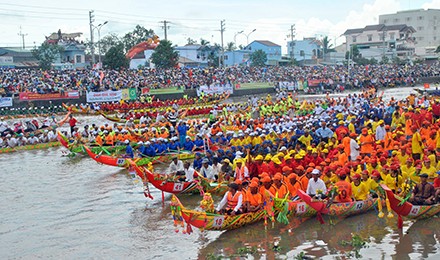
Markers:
<point>129,94</point>
<point>215,89</point>
<point>5,102</point>
<point>50,96</point>
<point>106,96</point>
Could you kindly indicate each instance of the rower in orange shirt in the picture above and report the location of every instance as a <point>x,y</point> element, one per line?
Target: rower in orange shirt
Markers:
<point>293,185</point>
<point>366,143</point>
<point>279,189</point>
<point>343,187</point>
<point>254,199</point>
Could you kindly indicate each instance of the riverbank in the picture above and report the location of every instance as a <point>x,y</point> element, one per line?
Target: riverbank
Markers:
<point>251,90</point>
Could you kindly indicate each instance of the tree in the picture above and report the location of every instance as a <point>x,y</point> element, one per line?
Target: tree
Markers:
<point>230,46</point>
<point>327,46</point>
<point>46,54</point>
<point>204,42</point>
<point>138,35</point>
<point>115,57</point>
<point>385,60</point>
<point>353,54</point>
<point>190,41</point>
<point>258,58</point>
<point>241,47</point>
<point>109,41</point>
<point>164,56</point>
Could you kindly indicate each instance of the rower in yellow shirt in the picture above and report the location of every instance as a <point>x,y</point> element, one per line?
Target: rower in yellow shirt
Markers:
<point>306,138</point>
<point>392,180</point>
<point>429,169</point>
<point>408,169</point>
<point>359,189</point>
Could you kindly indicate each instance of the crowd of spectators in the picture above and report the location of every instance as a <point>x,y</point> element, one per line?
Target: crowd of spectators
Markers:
<point>13,81</point>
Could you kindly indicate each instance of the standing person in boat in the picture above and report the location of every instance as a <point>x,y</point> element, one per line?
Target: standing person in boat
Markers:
<point>231,202</point>
<point>344,188</point>
<point>423,192</point>
<point>315,184</point>
<point>72,123</point>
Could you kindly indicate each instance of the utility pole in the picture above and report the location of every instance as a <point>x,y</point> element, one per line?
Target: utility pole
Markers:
<point>384,46</point>
<point>292,35</point>
<point>222,29</point>
<point>22,35</point>
<point>92,45</point>
<point>165,27</point>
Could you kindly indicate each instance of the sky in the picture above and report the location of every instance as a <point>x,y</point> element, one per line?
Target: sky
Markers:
<point>196,18</point>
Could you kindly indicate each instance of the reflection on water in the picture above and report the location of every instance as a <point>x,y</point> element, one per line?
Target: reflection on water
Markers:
<point>57,207</point>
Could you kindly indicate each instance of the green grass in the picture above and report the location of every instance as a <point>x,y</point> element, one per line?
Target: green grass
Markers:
<point>165,91</point>
<point>255,85</point>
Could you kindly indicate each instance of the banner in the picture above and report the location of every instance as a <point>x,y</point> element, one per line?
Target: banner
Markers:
<point>145,91</point>
<point>5,102</point>
<point>49,96</point>
<point>215,89</point>
<point>129,94</point>
<point>290,86</point>
<point>106,96</point>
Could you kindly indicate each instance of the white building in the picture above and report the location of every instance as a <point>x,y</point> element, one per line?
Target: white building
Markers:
<point>375,41</point>
<point>427,26</point>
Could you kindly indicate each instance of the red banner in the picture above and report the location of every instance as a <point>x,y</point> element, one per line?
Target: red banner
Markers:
<point>145,91</point>
<point>52,96</point>
<point>314,82</point>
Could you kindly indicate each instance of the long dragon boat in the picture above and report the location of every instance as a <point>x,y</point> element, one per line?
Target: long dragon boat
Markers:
<point>171,184</point>
<point>343,209</point>
<point>29,147</point>
<point>79,148</point>
<point>211,221</point>
<point>124,162</point>
<point>409,210</point>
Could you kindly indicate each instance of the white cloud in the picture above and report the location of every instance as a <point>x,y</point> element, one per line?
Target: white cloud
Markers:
<point>435,4</point>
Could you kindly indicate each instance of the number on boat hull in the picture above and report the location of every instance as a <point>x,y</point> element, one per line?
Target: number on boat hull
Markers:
<point>178,186</point>
<point>414,211</point>
<point>359,205</point>
<point>218,221</point>
<point>301,207</point>
<point>120,161</point>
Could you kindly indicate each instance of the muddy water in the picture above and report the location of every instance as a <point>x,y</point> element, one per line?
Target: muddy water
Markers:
<point>54,207</point>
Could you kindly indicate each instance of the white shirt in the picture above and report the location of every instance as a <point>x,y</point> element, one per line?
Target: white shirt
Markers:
<point>207,172</point>
<point>380,133</point>
<point>225,200</point>
<point>189,174</point>
<point>314,186</point>
<point>175,167</point>
<point>354,149</point>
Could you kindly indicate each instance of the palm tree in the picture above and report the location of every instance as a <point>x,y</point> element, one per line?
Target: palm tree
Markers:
<point>204,42</point>
<point>326,45</point>
<point>230,46</point>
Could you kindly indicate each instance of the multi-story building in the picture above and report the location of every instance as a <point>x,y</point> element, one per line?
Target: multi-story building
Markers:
<point>272,50</point>
<point>73,55</point>
<point>306,51</point>
<point>427,26</point>
<point>237,57</point>
<point>375,41</point>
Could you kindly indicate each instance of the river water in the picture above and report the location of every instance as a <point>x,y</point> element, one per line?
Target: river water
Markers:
<point>55,207</point>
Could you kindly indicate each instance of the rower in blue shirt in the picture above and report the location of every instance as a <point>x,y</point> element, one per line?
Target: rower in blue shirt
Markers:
<point>174,145</point>
<point>149,150</point>
<point>128,150</point>
<point>188,145</point>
